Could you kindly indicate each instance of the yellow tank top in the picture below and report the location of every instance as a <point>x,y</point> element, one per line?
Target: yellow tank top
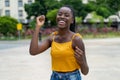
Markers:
<point>62,55</point>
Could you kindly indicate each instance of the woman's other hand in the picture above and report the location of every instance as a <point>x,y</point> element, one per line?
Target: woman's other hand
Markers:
<point>79,55</point>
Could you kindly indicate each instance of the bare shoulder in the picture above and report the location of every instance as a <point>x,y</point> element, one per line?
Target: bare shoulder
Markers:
<point>50,38</point>
<point>77,41</point>
<point>77,37</point>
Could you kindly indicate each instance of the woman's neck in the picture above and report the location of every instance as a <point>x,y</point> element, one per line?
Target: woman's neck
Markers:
<point>63,32</point>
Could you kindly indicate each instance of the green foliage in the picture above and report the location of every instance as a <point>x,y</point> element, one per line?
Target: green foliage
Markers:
<point>40,7</point>
<point>102,24</point>
<point>8,25</point>
<point>103,12</point>
<point>78,6</point>
<point>78,20</point>
<point>109,23</point>
<point>51,15</point>
<point>106,8</point>
<point>114,5</point>
<point>32,24</point>
<point>52,4</point>
<point>96,18</point>
<point>102,8</point>
<point>90,7</point>
<point>34,9</point>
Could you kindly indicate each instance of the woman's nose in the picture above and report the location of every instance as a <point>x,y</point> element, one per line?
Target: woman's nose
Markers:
<point>62,16</point>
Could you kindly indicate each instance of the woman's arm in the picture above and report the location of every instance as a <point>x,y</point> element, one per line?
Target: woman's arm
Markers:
<point>36,48</point>
<point>80,55</point>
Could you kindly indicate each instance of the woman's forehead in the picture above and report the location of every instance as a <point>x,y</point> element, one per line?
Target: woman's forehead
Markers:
<point>65,9</point>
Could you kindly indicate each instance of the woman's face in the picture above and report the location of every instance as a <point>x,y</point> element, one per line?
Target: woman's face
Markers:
<point>64,17</point>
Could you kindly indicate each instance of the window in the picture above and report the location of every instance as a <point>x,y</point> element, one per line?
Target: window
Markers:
<point>7,3</point>
<point>20,13</point>
<point>20,3</point>
<point>29,1</point>
<point>7,12</point>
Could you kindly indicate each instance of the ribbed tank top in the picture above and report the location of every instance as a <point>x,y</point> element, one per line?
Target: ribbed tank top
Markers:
<point>62,55</point>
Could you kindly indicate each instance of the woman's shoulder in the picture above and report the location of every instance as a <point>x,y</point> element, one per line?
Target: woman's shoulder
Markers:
<point>77,36</point>
<point>77,40</point>
<point>54,33</point>
<point>51,36</point>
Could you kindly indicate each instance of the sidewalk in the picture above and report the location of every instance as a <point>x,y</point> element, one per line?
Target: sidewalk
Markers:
<point>103,56</point>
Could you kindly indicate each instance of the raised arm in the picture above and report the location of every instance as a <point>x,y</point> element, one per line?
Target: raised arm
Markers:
<point>35,47</point>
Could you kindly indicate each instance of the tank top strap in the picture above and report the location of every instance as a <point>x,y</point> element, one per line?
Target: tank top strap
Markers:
<point>54,34</point>
<point>76,34</point>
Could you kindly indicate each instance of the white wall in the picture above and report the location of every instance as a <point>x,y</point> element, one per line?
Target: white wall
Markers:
<point>13,8</point>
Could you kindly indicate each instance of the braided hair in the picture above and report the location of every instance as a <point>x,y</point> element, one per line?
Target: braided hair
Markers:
<point>72,25</point>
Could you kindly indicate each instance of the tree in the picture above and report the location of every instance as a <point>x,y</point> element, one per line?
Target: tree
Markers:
<point>78,20</point>
<point>103,8</point>
<point>51,15</point>
<point>106,8</point>
<point>41,7</point>
<point>8,25</point>
<point>34,9</point>
<point>78,7</point>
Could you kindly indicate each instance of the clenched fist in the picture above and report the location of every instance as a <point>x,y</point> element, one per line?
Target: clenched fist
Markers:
<point>40,20</point>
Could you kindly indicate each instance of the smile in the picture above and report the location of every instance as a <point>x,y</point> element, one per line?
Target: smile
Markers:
<point>61,22</point>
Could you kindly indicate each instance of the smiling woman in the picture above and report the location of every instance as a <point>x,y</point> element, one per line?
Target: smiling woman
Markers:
<point>67,14</point>
<point>67,48</point>
<point>64,17</point>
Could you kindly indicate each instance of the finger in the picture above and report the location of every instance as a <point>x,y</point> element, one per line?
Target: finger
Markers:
<point>77,55</point>
<point>41,18</point>
<point>77,48</point>
<point>78,52</point>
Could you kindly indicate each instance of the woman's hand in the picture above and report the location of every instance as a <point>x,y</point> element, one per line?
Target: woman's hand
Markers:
<point>81,60</point>
<point>79,55</point>
<point>40,21</point>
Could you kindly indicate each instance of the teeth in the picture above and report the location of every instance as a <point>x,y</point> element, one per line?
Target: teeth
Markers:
<point>61,21</point>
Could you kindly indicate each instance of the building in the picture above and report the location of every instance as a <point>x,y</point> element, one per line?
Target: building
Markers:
<point>14,8</point>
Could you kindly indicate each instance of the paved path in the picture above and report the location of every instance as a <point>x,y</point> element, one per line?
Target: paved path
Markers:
<point>103,57</point>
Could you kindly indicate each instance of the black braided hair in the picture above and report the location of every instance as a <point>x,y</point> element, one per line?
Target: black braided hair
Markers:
<point>72,25</point>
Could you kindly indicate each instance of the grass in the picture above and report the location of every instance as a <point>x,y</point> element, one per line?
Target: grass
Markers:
<point>102,35</point>
<point>7,38</point>
<point>85,36</point>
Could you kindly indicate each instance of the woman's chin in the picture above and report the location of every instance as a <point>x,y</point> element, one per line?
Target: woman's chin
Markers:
<point>61,27</point>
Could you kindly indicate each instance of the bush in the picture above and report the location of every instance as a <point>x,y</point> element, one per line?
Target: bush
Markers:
<point>51,15</point>
<point>8,25</point>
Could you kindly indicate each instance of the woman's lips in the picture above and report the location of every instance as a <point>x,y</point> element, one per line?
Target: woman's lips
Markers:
<point>61,23</point>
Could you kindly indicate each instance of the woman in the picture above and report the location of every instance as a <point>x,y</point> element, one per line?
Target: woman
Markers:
<point>67,47</point>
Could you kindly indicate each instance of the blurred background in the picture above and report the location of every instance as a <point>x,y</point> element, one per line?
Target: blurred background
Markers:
<point>98,21</point>
<point>94,18</point>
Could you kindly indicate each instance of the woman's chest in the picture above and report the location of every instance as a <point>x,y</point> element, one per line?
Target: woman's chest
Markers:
<point>62,49</point>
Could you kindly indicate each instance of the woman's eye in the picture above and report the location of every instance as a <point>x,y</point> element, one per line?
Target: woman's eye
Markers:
<point>59,14</point>
<point>67,15</point>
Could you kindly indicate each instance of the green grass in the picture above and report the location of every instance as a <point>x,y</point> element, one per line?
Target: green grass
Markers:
<point>102,35</point>
<point>85,36</point>
<point>8,38</point>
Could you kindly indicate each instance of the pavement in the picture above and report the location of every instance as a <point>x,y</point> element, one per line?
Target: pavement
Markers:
<point>103,56</point>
